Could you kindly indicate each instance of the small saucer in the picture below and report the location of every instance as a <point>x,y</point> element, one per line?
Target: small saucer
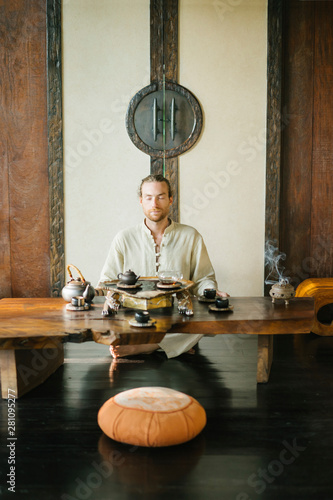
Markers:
<point>168,286</point>
<point>70,307</point>
<point>202,298</point>
<point>220,309</point>
<point>148,324</point>
<point>124,286</point>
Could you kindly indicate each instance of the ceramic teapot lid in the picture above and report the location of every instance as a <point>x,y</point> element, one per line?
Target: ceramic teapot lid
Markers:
<point>78,281</point>
<point>129,273</point>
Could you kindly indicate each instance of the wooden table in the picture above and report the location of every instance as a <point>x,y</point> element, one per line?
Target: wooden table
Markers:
<point>33,331</point>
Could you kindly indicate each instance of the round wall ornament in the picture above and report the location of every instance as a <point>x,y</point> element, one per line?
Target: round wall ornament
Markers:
<point>164,119</point>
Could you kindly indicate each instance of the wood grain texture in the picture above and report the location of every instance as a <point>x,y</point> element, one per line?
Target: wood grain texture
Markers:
<point>22,319</point>
<point>321,289</point>
<point>33,331</point>
<point>296,189</point>
<point>163,41</point>
<point>5,263</point>
<point>322,170</point>
<point>156,41</point>
<point>170,42</point>
<point>22,370</point>
<point>156,165</point>
<point>55,149</point>
<point>170,168</point>
<point>164,64</point>
<point>307,183</point>
<point>25,233</point>
<point>171,173</point>
<point>265,358</point>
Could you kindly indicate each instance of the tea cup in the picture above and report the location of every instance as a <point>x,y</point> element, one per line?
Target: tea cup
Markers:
<point>222,302</point>
<point>209,293</point>
<point>142,316</point>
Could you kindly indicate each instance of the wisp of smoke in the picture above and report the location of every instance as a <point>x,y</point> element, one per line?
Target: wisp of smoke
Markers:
<point>272,263</point>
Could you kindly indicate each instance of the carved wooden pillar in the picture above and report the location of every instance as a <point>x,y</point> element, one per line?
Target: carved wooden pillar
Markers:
<point>274,129</point>
<point>55,149</point>
<point>164,65</point>
<point>164,119</point>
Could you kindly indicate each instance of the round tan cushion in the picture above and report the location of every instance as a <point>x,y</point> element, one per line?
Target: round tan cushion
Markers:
<point>152,416</point>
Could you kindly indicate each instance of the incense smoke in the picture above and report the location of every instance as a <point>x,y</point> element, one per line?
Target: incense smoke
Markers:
<point>273,264</point>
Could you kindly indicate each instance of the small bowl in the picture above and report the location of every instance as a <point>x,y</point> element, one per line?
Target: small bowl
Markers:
<point>169,277</point>
<point>222,302</point>
<point>209,293</point>
<point>142,316</point>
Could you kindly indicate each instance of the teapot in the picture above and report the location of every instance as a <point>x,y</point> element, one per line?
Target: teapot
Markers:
<point>128,277</point>
<point>77,287</point>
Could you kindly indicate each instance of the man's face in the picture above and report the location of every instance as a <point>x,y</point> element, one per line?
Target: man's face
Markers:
<point>155,200</point>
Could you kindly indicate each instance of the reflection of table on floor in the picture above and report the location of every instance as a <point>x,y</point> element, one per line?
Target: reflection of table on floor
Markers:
<point>32,331</point>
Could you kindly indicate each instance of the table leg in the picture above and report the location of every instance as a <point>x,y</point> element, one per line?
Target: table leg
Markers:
<point>265,357</point>
<point>22,370</point>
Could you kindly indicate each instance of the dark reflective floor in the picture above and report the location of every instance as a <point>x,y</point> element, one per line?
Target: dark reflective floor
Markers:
<point>273,441</point>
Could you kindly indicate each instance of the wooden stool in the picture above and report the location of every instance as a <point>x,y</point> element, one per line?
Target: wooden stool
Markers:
<point>321,289</point>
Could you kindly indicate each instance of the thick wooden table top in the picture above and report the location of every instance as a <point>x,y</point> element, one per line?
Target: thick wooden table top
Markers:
<point>35,322</point>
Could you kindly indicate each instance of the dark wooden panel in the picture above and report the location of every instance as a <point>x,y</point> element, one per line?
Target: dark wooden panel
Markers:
<point>297,139</point>
<point>156,41</point>
<point>163,40</point>
<point>170,14</point>
<point>322,175</point>
<point>306,216</point>
<point>24,127</point>
<point>171,173</point>
<point>164,67</point>
<point>169,168</point>
<point>156,166</point>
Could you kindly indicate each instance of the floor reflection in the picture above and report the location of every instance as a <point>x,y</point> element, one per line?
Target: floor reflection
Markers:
<point>192,374</point>
<point>149,470</point>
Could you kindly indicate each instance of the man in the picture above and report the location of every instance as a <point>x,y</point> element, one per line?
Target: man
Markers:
<point>160,243</point>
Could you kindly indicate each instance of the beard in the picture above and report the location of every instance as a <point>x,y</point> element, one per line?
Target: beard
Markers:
<point>156,216</point>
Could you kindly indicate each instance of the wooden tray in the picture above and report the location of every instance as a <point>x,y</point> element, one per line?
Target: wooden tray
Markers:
<point>148,296</point>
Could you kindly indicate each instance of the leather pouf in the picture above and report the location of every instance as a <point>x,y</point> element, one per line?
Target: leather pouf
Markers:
<point>152,416</point>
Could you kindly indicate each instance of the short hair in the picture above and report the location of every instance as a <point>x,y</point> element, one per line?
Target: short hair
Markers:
<point>155,178</point>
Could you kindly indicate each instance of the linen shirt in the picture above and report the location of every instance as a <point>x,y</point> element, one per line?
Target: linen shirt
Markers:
<point>182,249</point>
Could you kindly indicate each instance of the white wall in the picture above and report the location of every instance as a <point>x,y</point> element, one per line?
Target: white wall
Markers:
<point>222,60</point>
